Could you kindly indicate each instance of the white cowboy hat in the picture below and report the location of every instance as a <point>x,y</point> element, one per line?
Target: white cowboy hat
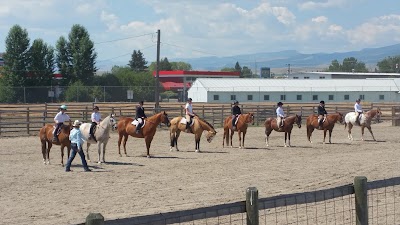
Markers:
<point>76,123</point>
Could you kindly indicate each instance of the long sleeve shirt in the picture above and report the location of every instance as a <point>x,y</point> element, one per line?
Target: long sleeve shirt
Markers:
<point>236,110</point>
<point>321,110</point>
<point>76,137</point>
<point>96,117</point>
<point>358,108</point>
<point>279,112</point>
<point>61,117</point>
<point>140,112</point>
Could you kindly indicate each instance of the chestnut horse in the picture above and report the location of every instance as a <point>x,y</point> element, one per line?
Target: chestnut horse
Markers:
<point>197,129</point>
<point>270,125</point>
<point>241,127</point>
<point>126,128</point>
<point>365,122</point>
<point>46,138</point>
<point>327,125</point>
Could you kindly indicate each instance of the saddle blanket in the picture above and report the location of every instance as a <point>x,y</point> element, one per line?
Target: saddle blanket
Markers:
<point>136,122</point>
<point>183,121</point>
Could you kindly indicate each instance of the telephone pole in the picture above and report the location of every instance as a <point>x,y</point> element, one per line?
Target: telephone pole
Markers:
<point>157,94</point>
<point>288,71</point>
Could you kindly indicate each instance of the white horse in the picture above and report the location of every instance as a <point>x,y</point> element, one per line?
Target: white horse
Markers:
<point>102,134</point>
<point>365,122</point>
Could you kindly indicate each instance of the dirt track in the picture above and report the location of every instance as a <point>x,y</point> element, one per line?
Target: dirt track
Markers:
<point>33,193</point>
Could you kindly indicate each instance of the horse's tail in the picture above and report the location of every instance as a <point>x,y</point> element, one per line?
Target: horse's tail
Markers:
<point>345,125</point>
<point>226,137</point>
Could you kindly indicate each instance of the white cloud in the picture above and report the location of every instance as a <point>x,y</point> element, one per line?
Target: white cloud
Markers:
<point>320,19</point>
<point>283,15</point>
<point>314,5</point>
<point>85,8</point>
<point>111,20</point>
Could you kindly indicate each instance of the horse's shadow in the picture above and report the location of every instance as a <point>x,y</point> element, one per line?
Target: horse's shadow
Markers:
<point>123,164</point>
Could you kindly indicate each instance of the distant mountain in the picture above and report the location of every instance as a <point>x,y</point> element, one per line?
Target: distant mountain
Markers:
<point>279,60</point>
<point>370,56</point>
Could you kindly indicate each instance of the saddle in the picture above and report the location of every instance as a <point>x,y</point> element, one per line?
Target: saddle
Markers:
<point>237,119</point>
<point>59,129</point>
<point>136,122</point>
<point>183,121</point>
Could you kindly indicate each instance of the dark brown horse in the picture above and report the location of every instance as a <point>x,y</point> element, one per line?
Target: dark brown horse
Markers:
<point>270,125</point>
<point>126,128</point>
<point>197,129</point>
<point>46,137</point>
<point>365,121</point>
<point>327,125</point>
<point>241,128</point>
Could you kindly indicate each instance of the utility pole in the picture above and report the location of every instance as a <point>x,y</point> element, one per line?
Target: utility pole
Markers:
<point>288,71</point>
<point>157,94</point>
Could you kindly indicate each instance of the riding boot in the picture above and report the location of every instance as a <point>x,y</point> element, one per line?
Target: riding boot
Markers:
<point>93,137</point>
<point>233,124</point>
<point>188,127</point>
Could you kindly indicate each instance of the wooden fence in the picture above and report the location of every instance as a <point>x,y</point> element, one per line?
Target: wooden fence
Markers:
<point>17,119</point>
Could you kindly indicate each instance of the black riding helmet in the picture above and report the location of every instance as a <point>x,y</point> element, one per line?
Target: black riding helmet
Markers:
<point>96,107</point>
<point>322,102</point>
<point>279,104</point>
<point>236,102</point>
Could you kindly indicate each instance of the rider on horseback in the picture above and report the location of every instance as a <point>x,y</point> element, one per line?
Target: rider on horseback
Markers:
<point>59,120</point>
<point>140,116</point>
<point>96,119</point>
<point>321,114</point>
<point>189,114</point>
<point>358,110</point>
<point>235,113</point>
<point>280,115</point>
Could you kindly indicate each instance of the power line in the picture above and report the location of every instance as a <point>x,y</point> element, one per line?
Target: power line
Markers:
<point>121,39</point>
<point>126,53</point>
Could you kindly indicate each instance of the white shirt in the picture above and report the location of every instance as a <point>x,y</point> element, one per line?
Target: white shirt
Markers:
<point>358,108</point>
<point>279,112</point>
<point>61,117</point>
<point>189,108</point>
<point>96,117</point>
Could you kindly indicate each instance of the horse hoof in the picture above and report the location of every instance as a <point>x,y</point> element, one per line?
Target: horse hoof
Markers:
<point>197,151</point>
<point>148,156</point>
<point>170,149</point>
<point>120,155</point>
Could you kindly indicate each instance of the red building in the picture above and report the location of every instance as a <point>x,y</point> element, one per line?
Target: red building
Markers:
<point>180,80</point>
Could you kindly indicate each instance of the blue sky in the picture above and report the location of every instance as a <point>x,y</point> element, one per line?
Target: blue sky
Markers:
<point>202,28</point>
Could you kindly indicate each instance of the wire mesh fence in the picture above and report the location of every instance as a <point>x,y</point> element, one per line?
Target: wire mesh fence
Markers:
<point>329,206</point>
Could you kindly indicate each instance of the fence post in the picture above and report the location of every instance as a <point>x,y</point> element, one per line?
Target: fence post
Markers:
<point>94,219</point>
<point>0,123</point>
<point>27,120</point>
<point>361,200</point>
<point>213,116</point>
<point>258,114</point>
<point>203,112</point>
<point>222,115</point>
<point>252,206</point>
<point>288,110</point>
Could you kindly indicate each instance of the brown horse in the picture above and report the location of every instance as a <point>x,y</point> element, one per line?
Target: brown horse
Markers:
<point>46,137</point>
<point>126,128</point>
<point>241,127</point>
<point>365,121</point>
<point>197,129</point>
<point>327,125</point>
<point>270,125</point>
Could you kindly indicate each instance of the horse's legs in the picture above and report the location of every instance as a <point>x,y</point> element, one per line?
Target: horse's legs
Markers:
<point>330,136</point>
<point>172,139</point>
<point>370,130</point>
<point>125,140</point>
<point>148,140</point>
<point>62,154</point>
<point>197,138</point>
<point>349,131</point>
<point>225,138</point>
<point>119,144</point>
<point>87,151</point>
<point>104,151</point>
<point>44,151</point>
<point>267,133</point>
<point>99,151</point>
<point>244,134</point>
<point>231,137</point>
<point>324,135</point>
<point>240,139</point>
<point>286,134</point>
<point>309,133</point>
<point>49,145</point>
<point>178,132</point>
<point>362,132</point>
<point>289,134</point>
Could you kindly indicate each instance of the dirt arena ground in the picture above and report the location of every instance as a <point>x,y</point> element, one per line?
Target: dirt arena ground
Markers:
<point>33,193</point>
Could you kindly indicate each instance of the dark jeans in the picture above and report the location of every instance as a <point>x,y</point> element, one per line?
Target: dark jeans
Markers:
<point>74,150</point>
<point>94,124</point>
<point>58,126</point>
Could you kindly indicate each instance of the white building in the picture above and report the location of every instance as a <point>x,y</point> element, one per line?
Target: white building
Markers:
<point>224,90</point>
<point>340,75</point>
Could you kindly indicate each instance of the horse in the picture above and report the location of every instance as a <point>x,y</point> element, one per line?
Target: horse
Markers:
<point>271,124</point>
<point>46,138</point>
<point>327,125</point>
<point>365,122</point>
<point>241,127</point>
<point>102,134</point>
<point>126,128</point>
<point>199,125</point>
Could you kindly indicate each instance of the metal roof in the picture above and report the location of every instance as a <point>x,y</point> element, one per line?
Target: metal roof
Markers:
<point>290,85</point>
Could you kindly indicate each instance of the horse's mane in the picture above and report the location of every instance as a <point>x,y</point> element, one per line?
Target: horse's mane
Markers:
<point>206,122</point>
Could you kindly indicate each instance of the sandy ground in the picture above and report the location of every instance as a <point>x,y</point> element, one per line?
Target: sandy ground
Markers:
<point>33,193</point>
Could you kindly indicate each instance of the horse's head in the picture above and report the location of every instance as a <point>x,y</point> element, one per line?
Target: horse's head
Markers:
<point>340,119</point>
<point>298,120</point>
<point>113,121</point>
<point>210,135</point>
<point>165,119</point>
<point>250,118</point>
<point>378,115</point>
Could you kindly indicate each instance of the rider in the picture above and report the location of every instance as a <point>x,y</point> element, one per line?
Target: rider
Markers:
<point>235,113</point>
<point>59,120</point>
<point>321,113</point>
<point>358,110</point>
<point>140,116</point>
<point>280,115</point>
<point>96,119</point>
<point>189,113</point>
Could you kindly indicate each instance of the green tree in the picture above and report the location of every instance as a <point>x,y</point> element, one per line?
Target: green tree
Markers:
<point>41,67</point>
<point>78,55</point>
<point>137,62</point>
<point>389,65</point>
<point>181,66</point>
<point>16,56</point>
<point>350,64</point>
<point>165,65</point>
<point>246,72</point>
<point>7,93</point>
<point>335,66</point>
<point>238,67</point>
<point>228,69</point>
